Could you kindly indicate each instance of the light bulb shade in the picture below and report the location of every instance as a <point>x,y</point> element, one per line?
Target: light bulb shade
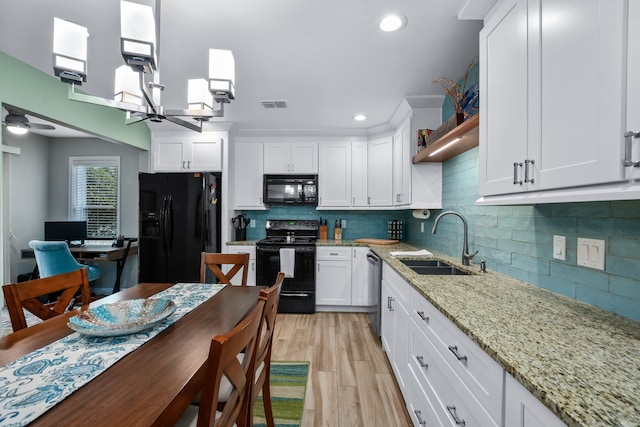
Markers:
<point>222,75</point>
<point>138,36</point>
<point>198,95</point>
<point>69,51</point>
<point>17,129</point>
<point>127,86</point>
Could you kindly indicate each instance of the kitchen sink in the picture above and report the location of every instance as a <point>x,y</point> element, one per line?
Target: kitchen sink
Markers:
<point>433,267</point>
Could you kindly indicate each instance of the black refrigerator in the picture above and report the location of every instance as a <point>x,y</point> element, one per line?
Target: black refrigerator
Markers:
<point>179,219</point>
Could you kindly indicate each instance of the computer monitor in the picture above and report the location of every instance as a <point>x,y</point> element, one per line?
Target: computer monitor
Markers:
<point>68,231</point>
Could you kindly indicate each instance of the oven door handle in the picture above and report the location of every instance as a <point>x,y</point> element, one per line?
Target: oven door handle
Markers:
<point>287,294</point>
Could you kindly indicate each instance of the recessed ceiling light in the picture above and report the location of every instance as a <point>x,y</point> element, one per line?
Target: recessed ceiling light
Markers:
<point>393,22</point>
<point>359,117</point>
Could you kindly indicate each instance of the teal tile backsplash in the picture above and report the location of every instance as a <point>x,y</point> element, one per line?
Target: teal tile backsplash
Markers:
<point>372,224</point>
<point>518,240</point>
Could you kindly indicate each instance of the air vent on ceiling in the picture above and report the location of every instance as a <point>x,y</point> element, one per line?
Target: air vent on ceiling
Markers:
<point>280,103</point>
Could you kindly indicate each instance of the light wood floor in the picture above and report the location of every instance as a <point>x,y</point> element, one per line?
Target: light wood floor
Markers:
<point>350,380</point>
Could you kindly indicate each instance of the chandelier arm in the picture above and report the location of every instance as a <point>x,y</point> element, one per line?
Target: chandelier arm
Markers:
<point>196,114</point>
<point>96,100</point>
<point>184,123</point>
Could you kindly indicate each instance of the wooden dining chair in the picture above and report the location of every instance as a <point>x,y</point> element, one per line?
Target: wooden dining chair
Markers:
<point>262,377</point>
<point>224,363</point>
<point>214,261</point>
<point>24,295</point>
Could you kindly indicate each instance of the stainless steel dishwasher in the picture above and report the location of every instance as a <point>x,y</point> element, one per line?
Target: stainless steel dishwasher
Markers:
<point>375,287</point>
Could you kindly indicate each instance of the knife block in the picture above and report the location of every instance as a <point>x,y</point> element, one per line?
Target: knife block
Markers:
<point>323,232</point>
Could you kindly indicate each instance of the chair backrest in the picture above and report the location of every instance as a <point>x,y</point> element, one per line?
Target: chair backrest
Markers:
<point>24,295</point>
<point>53,258</point>
<point>214,262</point>
<point>223,360</point>
<point>262,364</point>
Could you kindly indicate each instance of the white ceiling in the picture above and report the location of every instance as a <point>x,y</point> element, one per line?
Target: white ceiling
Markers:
<point>327,59</point>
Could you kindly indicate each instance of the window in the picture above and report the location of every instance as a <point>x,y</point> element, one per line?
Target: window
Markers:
<point>94,194</point>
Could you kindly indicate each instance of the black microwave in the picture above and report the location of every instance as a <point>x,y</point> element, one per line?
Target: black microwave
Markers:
<point>291,189</point>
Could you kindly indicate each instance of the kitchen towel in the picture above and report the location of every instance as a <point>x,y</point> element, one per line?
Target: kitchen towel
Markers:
<point>421,252</point>
<point>287,261</point>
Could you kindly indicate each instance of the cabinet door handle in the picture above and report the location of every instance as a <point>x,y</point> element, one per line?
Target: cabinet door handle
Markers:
<point>526,171</point>
<point>389,303</point>
<point>368,200</point>
<point>420,360</point>
<point>397,197</point>
<point>354,201</point>
<point>454,415</point>
<point>318,266</point>
<point>628,137</point>
<point>423,317</point>
<point>183,164</point>
<point>515,173</point>
<point>188,164</point>
<point>419,417</point>
<point>454,349</point>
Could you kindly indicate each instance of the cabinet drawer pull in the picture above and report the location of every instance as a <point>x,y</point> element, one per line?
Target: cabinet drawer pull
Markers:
<point>419,417</point>
<point>183,164</point>
<point>515,173</point>
<point>526,170</point>
<point>420,360</point>
<point>454,349</point>
<point>628,161</point>
<point>423,317</point>
<point>452,411</point>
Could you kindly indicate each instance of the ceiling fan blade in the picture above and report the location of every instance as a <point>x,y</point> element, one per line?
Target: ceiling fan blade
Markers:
<point>41,126</point>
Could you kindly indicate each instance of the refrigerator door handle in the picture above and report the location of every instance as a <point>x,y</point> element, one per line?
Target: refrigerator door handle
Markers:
<point>163,222</point>
<point>169,228</point>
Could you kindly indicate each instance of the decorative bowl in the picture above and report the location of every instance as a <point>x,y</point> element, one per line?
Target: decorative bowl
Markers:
<point>122,317</point>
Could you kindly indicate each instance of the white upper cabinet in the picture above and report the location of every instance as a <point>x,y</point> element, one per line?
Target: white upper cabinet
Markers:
<point>334,177</point>
<point>379,172</point>
<point>359,174</point>
<point>552,72</point>
<point>633,92</point>
<point>291,158</point>
<point>402,164</point>
<point>187,153</point>
<point>248,176</point>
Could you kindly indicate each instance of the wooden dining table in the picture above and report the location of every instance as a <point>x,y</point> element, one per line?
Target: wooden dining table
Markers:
<point>155,383</point>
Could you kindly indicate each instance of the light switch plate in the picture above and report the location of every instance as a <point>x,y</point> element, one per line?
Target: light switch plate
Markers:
<point>560,247</point>
<point>591,253</point>
<point>252,223</point>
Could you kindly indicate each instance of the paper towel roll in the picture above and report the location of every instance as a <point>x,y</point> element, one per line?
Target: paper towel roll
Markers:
<point>421,213</point>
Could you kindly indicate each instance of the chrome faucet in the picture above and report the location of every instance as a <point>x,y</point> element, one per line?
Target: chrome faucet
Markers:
<point>465,248</point>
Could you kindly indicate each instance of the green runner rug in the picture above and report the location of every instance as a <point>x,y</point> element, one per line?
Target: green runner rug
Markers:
<point>288,389</point>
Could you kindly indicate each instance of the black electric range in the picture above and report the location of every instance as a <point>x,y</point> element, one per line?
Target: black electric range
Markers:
<point>298,293</point>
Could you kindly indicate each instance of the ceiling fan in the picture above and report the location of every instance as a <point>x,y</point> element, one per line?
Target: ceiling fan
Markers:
<point>18,123</point>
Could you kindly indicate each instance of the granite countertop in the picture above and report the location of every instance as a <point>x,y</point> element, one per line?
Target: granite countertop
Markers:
<point>582,362</point>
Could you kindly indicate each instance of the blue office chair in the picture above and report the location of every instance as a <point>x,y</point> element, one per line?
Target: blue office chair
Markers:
<point>54,258</point>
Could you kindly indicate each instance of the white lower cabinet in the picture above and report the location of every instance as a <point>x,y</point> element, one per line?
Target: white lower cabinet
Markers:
<point>333,276</point>
<point>395,325</point>
<point>361,294</point>
<point>523,409</point>
<point>251,272</point>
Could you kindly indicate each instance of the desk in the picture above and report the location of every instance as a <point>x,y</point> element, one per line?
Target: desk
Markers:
<point>96,252</point>
<point>154,384</point>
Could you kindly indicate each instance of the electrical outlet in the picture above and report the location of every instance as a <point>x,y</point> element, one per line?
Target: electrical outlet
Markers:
<point>422,227</point>
<point>343,223</point>
<point>591,253</point>
<point>252,223</point>
<point>560,247</point>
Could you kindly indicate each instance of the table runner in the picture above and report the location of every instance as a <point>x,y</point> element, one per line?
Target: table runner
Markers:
<point>36,382</point>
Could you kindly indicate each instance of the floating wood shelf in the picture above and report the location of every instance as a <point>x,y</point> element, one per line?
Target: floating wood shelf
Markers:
<point>467,131</point>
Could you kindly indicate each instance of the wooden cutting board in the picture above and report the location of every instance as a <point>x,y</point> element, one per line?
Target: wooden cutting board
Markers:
<point>378,241</point>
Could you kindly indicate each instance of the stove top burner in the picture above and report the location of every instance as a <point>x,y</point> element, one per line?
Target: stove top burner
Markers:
<point>283,240</point>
